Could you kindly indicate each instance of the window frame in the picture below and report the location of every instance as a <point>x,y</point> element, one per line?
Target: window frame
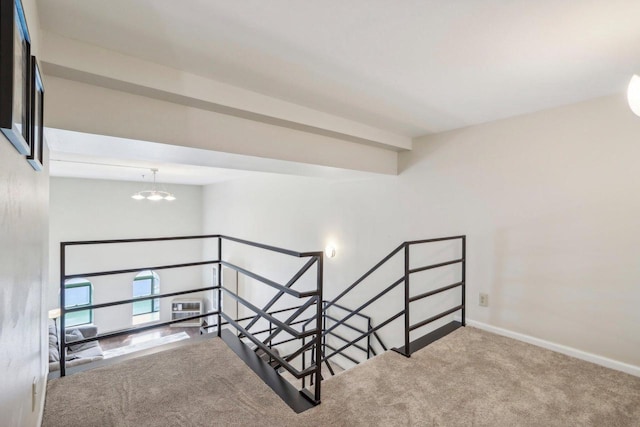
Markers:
<point>83,284</point>
<point>155,290</point>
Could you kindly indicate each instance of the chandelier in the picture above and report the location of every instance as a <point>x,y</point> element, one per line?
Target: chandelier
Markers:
<point>154,193</point>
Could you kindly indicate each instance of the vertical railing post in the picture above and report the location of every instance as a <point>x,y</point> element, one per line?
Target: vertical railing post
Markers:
<point>369,339</point>
<point>304,358</point>
<point>407,324</point>
<point>220,286</point>
<point>318,337</point>
<point>324,328</point>
<point>464,279</point>
<point>270,341</point>
<point>61,335</point>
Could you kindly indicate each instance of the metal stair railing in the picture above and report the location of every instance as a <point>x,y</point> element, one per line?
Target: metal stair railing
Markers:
<point>313,297</point>
<point>408,298</point>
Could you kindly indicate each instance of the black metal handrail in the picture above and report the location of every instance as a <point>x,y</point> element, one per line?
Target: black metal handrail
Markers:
<point>134,270</point>
<point>313,297</point>
<point>408,299</point>
<point>138,299</point>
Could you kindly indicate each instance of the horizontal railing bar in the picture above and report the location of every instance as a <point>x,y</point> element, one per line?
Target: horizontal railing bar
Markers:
<point>349,310</point>
<point>289,284</point>
<point>436,291</point>
<point>343,354</point>
<point>206,236</point>
<point>267,316</point>
<point>364,276</point>
<point>429,267</point>
<point>373,330</point>
<point>346,324</point>
<point>132,300</point>
<point>438,239</point>
<point>436,317</point>
<point>268,281</point>
<point>272,248</point>
<point>149,239</point>
<point>134,270</point>
<point>358,346</point>
<point>296,373</point>
<point>137,329</point>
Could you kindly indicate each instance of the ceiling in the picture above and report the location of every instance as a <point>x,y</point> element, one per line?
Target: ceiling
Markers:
<point>413,67</point>
<point>409,67</point>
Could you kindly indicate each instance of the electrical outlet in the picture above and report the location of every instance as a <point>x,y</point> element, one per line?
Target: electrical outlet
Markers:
<point>484,300</point>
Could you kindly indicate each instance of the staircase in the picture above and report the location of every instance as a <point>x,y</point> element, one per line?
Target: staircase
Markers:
<point>315,338</point>
<point>352,336</point>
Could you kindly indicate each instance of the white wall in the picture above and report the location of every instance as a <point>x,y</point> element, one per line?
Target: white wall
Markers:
<point>84,209</point>
<point>548,202</point>
<point>23,271</point>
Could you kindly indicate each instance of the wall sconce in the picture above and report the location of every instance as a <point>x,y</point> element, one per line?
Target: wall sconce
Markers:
<point>330,251</point>
<point>633,94</point>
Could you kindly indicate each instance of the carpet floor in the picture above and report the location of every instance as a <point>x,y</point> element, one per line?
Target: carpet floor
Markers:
<point>132,348</point>
<point>468,378</point>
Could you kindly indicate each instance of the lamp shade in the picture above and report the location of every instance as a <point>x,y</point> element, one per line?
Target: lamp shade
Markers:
<point>633,94</point>
<point>54,313</point>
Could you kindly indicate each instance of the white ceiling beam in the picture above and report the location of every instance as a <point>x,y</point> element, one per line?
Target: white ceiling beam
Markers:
<point>74,60</point>
<point>92,109</point>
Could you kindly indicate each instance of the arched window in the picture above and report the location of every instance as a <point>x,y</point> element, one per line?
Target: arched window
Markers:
<point>146,283</point>
<point>78,293</point>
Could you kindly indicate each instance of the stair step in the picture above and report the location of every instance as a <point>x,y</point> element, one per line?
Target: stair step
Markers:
<point>431,337</point>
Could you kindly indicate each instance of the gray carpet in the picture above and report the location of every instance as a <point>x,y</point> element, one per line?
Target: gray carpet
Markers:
<point>469,378</point>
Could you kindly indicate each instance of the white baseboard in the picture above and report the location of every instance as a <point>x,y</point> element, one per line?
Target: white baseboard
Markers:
<point>569,351</point>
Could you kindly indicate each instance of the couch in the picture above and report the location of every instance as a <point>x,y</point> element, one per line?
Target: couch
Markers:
<point>76,354</point>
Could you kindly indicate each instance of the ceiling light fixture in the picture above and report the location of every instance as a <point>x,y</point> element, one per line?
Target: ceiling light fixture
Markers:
<point>633,94</point>
<point>154,194</point>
